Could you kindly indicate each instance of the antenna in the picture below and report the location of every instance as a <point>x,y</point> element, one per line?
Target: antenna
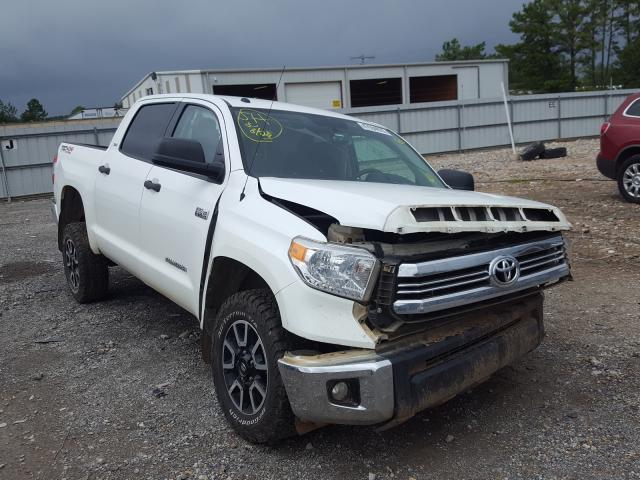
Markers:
<point>255,152</point>
<point>363,57</point>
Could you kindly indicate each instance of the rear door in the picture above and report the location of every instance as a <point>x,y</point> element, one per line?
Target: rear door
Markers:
<point>120,180</point>
<point>176,222</point>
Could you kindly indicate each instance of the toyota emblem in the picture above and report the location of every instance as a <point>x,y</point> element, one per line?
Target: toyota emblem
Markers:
<point>504,271</point>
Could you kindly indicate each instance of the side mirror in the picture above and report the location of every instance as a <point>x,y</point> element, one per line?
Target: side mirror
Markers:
<point>186,155</point>
<point>457,179</point>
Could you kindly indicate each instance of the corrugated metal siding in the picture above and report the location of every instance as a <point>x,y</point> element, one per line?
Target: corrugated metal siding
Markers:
<point>452,126</point>
<point>430,127</point>
<point>28,165</point>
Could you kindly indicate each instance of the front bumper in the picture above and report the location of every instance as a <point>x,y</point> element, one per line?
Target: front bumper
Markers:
<point>606,167</point>
<point>409,375</point>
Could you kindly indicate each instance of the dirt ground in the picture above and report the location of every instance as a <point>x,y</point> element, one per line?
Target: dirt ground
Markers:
<point>77,382</point>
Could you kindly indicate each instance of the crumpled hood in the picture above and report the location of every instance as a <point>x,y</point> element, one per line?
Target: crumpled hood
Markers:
<point>410,209</point>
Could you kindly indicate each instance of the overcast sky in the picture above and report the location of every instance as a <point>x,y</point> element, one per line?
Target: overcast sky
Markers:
<point>89,52</point>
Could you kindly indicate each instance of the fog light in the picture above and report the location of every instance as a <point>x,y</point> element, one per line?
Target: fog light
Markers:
<point>340,391</point>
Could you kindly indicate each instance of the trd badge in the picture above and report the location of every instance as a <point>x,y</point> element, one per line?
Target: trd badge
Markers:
<point>201,213</point>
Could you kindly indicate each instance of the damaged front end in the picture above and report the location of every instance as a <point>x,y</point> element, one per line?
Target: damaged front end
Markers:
<point>425,278</point>
<point>455,300</point>
<point>437,261</point>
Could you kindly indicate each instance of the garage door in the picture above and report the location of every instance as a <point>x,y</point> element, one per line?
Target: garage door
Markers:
<point>327,95</point>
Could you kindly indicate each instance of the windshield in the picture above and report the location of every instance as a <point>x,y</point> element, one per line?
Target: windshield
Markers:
<point>289,144</point>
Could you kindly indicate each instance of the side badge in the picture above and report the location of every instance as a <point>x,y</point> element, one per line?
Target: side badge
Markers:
<point>201,213</point>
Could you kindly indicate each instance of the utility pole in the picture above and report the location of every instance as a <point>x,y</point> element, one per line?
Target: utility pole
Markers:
<point>363,58</point>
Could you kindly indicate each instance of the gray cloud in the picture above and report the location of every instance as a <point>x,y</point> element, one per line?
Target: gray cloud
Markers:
<point>88,52</point>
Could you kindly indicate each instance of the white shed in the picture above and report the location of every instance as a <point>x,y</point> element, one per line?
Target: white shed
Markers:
<point>341,87</point>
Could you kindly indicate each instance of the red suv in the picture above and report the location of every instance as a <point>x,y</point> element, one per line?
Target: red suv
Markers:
<point>619,157</point>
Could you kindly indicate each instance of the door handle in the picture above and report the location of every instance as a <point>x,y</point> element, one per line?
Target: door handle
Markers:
<point>149,185</point>
<point>104,169</point>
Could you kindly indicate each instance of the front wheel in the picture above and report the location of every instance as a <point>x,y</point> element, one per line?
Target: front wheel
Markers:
<point>247,343</point>
<point>629,179</point>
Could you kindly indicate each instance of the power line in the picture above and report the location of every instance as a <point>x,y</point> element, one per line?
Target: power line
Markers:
<point>363,58</point>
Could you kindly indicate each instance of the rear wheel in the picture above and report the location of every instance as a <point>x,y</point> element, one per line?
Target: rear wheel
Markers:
<point>87,273</point>
<point>629,179</point>
<point>248,341</point>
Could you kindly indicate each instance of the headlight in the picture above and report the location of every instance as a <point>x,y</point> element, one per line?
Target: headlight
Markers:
<point>341,270</point>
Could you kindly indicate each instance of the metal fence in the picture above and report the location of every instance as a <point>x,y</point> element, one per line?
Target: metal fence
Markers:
<point>27,149</point>
<point>463,125</point>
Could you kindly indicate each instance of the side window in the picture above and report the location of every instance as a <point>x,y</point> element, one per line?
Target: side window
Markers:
<point>634,109</point>
<point>200,124</point>
<point>146,130</point>
<point>373,154</point>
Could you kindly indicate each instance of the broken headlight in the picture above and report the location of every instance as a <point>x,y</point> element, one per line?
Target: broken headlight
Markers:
<point>333,268</point>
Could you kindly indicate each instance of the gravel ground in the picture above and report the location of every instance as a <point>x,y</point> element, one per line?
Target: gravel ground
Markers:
<point>117,389</point>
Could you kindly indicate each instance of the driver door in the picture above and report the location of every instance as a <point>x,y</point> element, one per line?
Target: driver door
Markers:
<point>177,212</point>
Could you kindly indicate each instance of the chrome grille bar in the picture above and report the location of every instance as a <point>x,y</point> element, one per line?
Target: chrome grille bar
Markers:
<point>451,282</point>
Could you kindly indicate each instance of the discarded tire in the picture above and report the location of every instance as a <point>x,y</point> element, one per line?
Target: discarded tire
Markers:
<point>532,151</point>
<point>554,153</point>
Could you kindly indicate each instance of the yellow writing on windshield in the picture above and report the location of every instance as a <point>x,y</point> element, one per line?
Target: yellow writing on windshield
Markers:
<point>258,126</point>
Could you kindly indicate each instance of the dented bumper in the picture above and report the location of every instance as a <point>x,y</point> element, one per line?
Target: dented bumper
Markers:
<point>390,385</point>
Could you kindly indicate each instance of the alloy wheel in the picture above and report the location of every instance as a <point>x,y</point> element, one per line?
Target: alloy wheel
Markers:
<point>71,264</point>
<point>631,180</point>
<point>245,367</point>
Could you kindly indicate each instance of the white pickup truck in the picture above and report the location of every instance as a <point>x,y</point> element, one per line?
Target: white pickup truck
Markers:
<point>337,278</point>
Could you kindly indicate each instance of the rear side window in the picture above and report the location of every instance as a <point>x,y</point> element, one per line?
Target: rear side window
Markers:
<point>633,110</point>
<point>146,130</point>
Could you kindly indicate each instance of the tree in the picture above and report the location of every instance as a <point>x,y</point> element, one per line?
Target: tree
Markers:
<point>35,112</point>
<point>589,40</point>
<point>78,109</point>
<point>8,113</point>
<point>629,64</point>
<point>570,15</point>
<point>627,19</point>
<point>535,61</point>
<point>452,50</point>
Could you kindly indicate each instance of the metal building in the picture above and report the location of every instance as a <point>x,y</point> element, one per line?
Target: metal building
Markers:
<point>97,112</point>
<point>340,88</point>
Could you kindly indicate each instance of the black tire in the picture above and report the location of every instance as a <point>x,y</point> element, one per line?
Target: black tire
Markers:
<point>272,419</point>
<point>87,273</point>
<point>532,151</point>
<point>554,152</point>
<point>629,179</point>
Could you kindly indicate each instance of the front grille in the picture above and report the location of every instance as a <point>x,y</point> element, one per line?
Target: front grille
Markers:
<point>452,282</point>
<point>443,283</point>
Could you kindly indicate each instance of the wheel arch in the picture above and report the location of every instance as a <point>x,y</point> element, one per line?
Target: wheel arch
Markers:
<point>71,210</point>
<point>626,153</point>
<point>227,276</point>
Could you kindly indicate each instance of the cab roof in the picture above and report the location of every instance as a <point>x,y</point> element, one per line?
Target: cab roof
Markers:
<point>244,102</point>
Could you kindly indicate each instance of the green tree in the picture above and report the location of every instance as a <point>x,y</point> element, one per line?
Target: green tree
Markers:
<point>78,109</point>
<point>629,64</point>
<point>34,112</point>
<point>452,50</point>
<point>569,19</point>
<point>8,113</point>
<point>535,61</point>
<point>627,19</point>
<point>589,35</point>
